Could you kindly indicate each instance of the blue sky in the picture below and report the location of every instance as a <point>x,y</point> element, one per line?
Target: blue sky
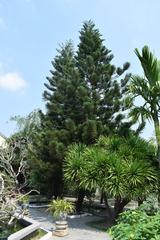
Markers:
<point>30,31</point>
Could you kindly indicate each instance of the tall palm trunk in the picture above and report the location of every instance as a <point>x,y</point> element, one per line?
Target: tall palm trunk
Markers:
<point>157,133</point>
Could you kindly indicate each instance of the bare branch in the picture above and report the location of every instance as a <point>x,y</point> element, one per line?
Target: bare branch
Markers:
<point>12,165</point>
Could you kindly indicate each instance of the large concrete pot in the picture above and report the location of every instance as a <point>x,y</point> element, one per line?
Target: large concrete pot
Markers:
<point>61,229</point>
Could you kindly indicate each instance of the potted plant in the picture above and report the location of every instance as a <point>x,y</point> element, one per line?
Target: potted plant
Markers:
<point>60,208</point>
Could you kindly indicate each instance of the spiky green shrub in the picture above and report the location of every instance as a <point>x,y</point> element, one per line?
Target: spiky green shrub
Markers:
<point>60,208</point>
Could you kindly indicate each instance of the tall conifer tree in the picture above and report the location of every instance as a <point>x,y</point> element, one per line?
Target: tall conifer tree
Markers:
<point>65,96</point>
<point>106,90</point>
<point>84,98</point>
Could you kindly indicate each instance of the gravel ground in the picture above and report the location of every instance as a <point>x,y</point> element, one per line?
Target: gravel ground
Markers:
<point>78,229</point>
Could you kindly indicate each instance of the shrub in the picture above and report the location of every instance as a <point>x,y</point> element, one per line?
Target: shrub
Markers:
<point>150,206</point>
<point>137,225</point>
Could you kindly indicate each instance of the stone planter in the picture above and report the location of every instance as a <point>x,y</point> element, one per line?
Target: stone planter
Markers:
<point>61,229</point>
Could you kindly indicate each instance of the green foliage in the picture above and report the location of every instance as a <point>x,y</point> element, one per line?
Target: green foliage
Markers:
<point>135,225</point>
<point>27,127</point>
<point>83,94</point>
<point>119,177</point>
<point>106,91</point>
<point>41,173</point>
<point>84,98</point>
<point>132,146</point>
<point>116,166</point>
<point>150,206</point>
<point>64,95</point>
<point>73,167</point>
<point>148,88</point>
<point>132,217</point>
<point>60,207</point>
<point>30,134</point>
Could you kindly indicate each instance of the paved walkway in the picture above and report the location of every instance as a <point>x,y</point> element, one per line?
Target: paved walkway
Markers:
<point>78,230</point>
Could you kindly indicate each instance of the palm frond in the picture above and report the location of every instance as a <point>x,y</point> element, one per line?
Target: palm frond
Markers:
<point>147,87</point>
<point>149,64</point>
<point>139,87</point>
<point>140,113</point>
<point>141,174</point>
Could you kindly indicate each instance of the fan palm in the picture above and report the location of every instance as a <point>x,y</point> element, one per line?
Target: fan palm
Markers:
<point>148,88</point>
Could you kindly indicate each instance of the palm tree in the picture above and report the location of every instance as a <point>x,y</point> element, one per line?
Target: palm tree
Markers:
<point>148,88</point>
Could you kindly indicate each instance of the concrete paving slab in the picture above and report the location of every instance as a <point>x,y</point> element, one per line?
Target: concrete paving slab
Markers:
<point>78,228</point>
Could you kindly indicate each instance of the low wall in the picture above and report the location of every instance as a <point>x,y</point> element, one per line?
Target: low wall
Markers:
<point>32,226</point>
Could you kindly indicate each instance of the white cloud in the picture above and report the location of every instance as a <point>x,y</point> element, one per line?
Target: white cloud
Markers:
<point>12,81</point>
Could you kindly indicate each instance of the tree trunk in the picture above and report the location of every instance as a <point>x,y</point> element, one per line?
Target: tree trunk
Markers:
<point>102,198</point>
<point>118,208</point>
<point>108,208</point>
<point>58,188</point>
<point>158,154</point>
<point>140,202</point>
<point>119,205</point>
<point>79,202</point>
<point>157,133</point>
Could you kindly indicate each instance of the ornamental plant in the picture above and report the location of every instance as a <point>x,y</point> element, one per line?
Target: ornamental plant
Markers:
<point>60,208</point>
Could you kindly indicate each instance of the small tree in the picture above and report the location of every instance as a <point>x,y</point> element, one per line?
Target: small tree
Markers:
<point>117,167</point>
<point>30,131</point>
